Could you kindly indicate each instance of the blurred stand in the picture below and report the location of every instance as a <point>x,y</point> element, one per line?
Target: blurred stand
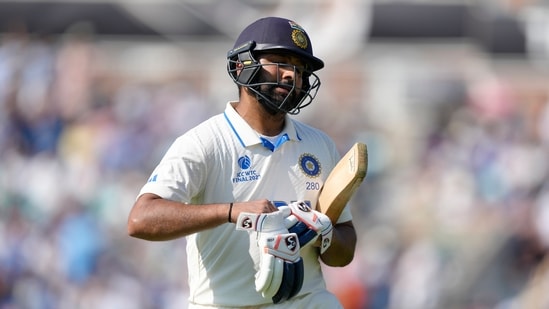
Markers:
<point>452,98</point>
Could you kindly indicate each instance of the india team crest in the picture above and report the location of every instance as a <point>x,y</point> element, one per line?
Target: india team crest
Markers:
<point>299,39</point>
<point>298,35</point>
<point>309,165</point>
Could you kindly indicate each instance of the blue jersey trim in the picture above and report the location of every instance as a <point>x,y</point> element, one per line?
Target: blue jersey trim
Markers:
<point>272,147</point>
<point>234,130</point>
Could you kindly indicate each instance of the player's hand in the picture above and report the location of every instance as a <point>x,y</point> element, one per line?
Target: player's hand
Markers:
<point>309,225</point>
<point>280,273</point>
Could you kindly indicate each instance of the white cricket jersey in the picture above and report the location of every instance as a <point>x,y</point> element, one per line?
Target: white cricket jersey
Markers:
<point>224,160</point>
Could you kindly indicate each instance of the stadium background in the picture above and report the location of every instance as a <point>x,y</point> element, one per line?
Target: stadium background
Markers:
<point>450,96</point>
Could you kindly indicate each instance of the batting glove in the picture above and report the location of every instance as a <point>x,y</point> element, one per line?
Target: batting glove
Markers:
<point>309,225</point>
<point>280,273</point>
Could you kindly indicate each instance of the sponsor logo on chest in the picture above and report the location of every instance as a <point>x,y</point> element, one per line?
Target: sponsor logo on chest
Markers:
<point>246,172</point>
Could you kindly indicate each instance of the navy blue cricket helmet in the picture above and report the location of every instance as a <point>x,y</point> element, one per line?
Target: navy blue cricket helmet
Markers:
<point>274,35</point>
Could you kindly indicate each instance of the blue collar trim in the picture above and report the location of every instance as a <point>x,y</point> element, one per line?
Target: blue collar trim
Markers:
<point>272,147</point>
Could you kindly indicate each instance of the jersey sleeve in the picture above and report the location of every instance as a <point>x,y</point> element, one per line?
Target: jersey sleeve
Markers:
<point>180,174</point>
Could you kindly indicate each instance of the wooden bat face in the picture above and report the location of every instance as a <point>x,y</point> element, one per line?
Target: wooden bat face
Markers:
<point>343,181</point>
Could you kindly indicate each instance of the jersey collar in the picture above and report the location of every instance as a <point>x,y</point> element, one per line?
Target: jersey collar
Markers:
<point>248,136</point>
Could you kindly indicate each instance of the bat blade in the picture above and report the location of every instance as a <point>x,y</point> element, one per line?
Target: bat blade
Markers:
<point>343,181</point>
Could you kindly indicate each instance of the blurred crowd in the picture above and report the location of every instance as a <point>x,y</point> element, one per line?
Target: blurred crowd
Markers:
<point>454,212</point>
<point>76,144</point>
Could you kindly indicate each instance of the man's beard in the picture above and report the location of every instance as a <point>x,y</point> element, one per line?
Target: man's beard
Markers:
<point>273,101</point>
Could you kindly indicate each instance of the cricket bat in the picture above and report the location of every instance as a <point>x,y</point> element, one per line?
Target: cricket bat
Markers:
<point>343,181</point>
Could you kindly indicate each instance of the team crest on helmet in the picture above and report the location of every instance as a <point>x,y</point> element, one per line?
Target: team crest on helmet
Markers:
<point>299,39</point>
<point>309,165</point>
<point>298,35</point>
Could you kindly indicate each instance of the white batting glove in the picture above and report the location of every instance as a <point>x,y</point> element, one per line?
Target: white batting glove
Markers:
<point>309,225</point>
<point>280,274</point>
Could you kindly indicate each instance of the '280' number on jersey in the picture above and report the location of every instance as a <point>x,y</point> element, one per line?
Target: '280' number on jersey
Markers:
<point>312,185</point>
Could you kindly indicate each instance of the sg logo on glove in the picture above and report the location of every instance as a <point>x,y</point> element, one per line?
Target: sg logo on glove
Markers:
<point>291,242</point>
<point>308,224</point>
<point>247,223</point>
<point>303,207</point>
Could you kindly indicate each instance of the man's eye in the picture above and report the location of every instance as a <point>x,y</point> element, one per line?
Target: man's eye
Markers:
<point>300,69</point>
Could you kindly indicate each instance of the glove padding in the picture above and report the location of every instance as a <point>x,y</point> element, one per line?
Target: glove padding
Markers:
<point>309,225</point>
<point>280,273</point>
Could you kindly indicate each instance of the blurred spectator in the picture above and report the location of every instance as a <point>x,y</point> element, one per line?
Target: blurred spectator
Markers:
<point>454,211</point>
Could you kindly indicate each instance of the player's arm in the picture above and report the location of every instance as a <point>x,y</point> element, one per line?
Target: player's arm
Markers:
<point>342,248</point>
<point>155,218</point>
